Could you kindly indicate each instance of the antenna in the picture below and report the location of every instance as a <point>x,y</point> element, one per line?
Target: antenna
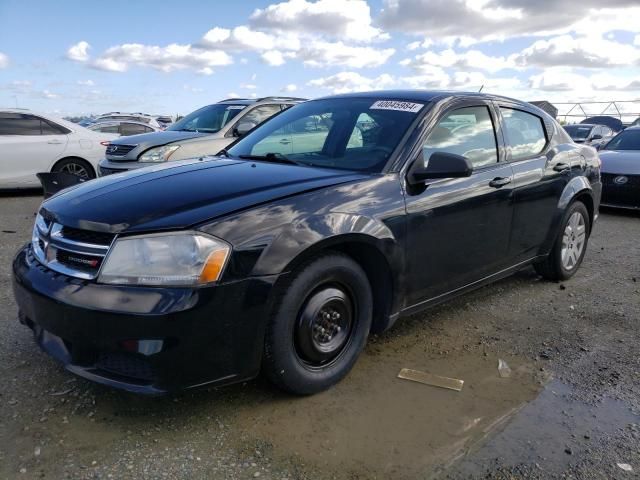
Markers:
<point>480,91</point>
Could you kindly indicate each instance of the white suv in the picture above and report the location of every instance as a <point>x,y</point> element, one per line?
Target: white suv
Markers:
<point>32,142</point>
<point>203,132</point>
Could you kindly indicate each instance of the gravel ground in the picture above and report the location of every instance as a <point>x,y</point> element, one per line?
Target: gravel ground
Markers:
<point>569,409</point>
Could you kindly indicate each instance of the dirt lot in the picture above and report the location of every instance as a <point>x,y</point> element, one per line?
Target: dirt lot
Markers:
<point>570,407</point>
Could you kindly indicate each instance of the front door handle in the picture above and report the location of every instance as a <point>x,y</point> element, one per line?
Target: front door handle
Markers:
<point>561,167</point>
<point>499,182</point>
<point>284,141</point>
<point>54,142</point>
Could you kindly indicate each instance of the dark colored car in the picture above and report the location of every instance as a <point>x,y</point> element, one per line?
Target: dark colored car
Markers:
<point>615,124</point>
<point>590,134</point>
<point>285,257</point>
<point>621,170</point>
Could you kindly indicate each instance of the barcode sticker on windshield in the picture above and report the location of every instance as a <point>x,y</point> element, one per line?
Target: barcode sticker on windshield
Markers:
<point>235,107</point>
<point>396,105</point>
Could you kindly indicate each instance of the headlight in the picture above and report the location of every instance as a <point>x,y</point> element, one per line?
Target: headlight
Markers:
<point>157,155</point>
<point>165,259</point>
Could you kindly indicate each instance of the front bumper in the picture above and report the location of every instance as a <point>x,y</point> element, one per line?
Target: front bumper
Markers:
<point>109,167</point>
<point>141,339</point>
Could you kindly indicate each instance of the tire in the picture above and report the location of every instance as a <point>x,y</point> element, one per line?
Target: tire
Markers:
<point>305,351</point>
<point>569,248</point>
<point>75,166</point>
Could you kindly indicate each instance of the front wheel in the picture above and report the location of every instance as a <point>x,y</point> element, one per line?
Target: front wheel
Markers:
<point>568,251</point>
<point>320,325</point>
<point>75,166</point>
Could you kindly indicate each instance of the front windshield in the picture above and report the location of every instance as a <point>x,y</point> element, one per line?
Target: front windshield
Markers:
<point>625,140</point>
<point>209,119</point>
<point>577,132</point>
<point>343,133</point>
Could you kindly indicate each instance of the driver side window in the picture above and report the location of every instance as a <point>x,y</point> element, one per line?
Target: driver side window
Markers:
<point>466,131</point>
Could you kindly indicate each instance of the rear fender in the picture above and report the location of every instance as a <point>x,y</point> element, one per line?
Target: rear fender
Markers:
<point>577,186</point>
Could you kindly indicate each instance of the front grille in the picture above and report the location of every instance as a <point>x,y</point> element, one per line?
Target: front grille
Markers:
<point>125,365</point>
<point>87,236</point>
<point>117,150</point>
<point>71,251</point>
<point>77,261</point>
<point>626,194</point>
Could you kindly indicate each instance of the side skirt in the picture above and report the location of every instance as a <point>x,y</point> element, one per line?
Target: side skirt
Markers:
<point>418,307</point>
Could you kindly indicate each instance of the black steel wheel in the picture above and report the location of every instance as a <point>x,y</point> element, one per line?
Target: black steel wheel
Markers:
<point>320,325</point>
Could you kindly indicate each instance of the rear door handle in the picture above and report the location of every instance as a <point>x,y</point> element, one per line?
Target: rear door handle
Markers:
<point>54,142</point>
<point>561,167</point>
<point>499,182</point>
<point>284,141</point>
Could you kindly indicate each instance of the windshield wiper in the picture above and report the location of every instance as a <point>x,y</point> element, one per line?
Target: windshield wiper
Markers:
<point>271,157</point>
<point>223,153</point>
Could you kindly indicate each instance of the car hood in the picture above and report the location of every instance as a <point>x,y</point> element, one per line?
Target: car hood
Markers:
<point>153,139</point>
<point>182,194</point>
<point>620,161</point>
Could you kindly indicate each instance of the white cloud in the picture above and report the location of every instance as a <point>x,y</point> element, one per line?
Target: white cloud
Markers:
<point>585,51</point>
<point>448,20</point>
<point>248,86</point>
<point>274,58</point>
<point>450,59</point>
<point>243,38</point>
<point>86,83</point>
<point>4,60</point>
<point>291,87</point>
<point>166,59</point>
<point>345,82</point>
<point>79,52</point>
<point>349,20</point>
<point>192,89</point>
<point>326,54</point>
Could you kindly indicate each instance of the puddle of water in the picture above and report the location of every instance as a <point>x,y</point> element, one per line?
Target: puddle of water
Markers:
<point>543,429</point>
<point>375,425</point>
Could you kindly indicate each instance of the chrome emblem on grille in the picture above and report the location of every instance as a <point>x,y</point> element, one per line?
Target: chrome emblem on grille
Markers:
<point>620,180</point>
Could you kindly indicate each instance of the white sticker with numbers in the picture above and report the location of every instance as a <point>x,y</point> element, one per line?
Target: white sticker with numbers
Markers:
<point>397,105</point>
<point>235,107</point>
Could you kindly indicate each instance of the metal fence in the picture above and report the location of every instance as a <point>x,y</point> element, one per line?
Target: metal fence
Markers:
<point>573,112</point>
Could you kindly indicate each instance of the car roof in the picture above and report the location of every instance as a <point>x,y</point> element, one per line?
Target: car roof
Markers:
<point>124,120</point>
<point>583,125</point>
<point>422,95</point>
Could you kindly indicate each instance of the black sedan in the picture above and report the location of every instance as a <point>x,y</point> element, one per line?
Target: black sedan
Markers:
<point>284,256</point>
<point>621,170</point>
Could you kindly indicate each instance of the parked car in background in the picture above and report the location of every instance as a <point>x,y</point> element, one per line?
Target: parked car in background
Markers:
<point>133,117</point>
<point>164,121</point>
<point>283,259</point>
<point>621,170</point>
<point>589,134</point>
<point>32,142</point>
<point>615,124</point>
<point>203,132</point>
<point>123,128</point>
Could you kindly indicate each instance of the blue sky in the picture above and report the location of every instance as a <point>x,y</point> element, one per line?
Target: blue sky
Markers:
<point>172,57</point>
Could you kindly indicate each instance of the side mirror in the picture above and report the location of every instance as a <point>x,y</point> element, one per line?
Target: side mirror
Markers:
<point>243,128</point>
<point>440,165</point>
<point>597,136</point>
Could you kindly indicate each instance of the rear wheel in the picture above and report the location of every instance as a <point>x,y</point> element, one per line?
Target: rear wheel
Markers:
<point>75,166</point>
<point>320,325</point>
<point>566,256</point>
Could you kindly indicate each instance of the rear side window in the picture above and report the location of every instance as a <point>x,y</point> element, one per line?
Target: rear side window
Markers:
<point>466,131</point>
<point>107,129</point>
<point>260,114</point>
<point>133,129</point>
<point>525,133</point>
<point>21,124</point>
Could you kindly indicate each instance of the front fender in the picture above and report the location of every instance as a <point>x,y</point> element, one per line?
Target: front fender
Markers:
<point>307,237</point>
